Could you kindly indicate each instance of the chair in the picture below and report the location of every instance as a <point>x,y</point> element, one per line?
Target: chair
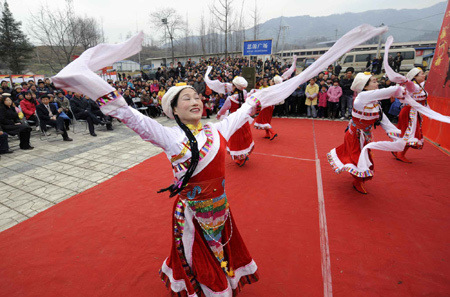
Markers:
<point>76,121</point>
<point>142,109</point>
<point>43,133</point>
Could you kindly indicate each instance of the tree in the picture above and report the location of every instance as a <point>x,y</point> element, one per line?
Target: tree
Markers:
<point>222,12</point>
<point>90,32</point>
<point>256,19</point>
<point>15,48</point>
<point>169,20</point>
<point>59,31</point>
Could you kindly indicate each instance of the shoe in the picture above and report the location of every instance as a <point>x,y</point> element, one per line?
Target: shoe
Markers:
<point>273,137</point>
<point>67,128</point>
<point>93,134</point>
<point>27,148</point>
<point>109,129</point>
<point>342,118</point>
<point>7,152</point>
<point>67,139</point>
<point>401,157</point>
<point>358,185</point>
<point>59,132</point>
<point>243,162</point>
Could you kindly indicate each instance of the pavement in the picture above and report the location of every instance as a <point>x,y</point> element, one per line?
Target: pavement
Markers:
<point>35,180</point>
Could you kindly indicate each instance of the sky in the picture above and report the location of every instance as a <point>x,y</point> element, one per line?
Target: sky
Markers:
<point>119,17</point>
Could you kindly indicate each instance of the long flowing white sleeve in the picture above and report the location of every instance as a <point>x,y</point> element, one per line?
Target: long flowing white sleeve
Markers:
<point>217,86</point>
<point>234,121</point>
<point>291,70</point>
<point>277,93</point>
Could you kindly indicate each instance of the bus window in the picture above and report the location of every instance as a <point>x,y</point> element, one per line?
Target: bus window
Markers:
<point>363,58</point>
<point>349,59</point>
<point>408,55</point>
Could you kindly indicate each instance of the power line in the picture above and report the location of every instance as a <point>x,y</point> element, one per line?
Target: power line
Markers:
<point>417,19</point>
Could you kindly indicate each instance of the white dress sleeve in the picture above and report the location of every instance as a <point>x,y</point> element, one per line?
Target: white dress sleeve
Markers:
<point>234,121</point>
<point>368,97</point>
<point>226,106</point>
<point>147,128</point>
<point>216,85</point>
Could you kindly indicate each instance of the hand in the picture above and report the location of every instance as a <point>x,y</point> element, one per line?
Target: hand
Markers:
<point>1,132</point>
<point>410,87</point>
<point>60,110</point>
<point>53,118</point>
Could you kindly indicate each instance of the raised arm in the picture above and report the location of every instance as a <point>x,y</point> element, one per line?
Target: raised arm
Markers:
<point>226,106</point>
<point>216,85</point>
<point>79,77</point>
<point>368,97</point>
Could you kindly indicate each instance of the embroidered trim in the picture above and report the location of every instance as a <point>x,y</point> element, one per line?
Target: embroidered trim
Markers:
<point>108,98</point>
<point>362,174</point>
<point>203,151</point>
<point>257,103</point>
<point>369,114</point>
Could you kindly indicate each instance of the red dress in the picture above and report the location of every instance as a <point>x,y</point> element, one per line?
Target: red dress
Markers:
<point>193,267</point>
<point>241,143</point>
<point>264,119</point>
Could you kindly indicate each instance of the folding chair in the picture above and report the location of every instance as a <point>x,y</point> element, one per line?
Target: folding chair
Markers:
<point>142,109</point>
<point>43,133</point>
<point>76,121</point>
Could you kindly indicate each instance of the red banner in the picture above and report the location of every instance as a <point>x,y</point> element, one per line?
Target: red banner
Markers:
<point>438,86</point>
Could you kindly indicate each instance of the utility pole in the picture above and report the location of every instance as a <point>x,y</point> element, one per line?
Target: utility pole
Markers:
<point>284,28</point>
<point>164,21</point>
<point>379,42</point>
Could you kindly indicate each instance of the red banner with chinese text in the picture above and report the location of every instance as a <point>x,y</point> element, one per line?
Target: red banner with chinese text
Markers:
<point>438,87</point>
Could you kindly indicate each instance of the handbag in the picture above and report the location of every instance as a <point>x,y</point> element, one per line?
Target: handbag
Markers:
<point>395,108</point>
<point>63,115</point>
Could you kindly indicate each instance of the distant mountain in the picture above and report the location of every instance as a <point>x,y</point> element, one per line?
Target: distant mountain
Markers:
<point>405,25</point>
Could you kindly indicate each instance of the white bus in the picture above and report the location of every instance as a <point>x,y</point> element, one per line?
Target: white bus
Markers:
<point>358,59</point>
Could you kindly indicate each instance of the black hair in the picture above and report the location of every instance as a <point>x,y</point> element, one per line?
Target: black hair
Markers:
<point>182,182</point>
<point>32,100</point>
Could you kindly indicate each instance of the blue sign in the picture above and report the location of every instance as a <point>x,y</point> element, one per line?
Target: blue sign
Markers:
<point>258,47</point>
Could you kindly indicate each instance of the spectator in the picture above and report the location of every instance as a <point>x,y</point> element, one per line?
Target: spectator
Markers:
<point>5,87</point>
<point>334,93</point>
<point>144,76</point>
<point>337,69</point>
<point>180,71</point>
<point>104,119</point>
<point>398,62</point>
<point>200,85</point>
<point>11,124</point>
<point>323,98</point>
<point>50,115</point>
<point>82,111</point>
<point>4,147</point>
<point>347,94</point>
<point>28,106</point>
<point>311,92</point>
<point>127,96</point>
<point>154,87</point>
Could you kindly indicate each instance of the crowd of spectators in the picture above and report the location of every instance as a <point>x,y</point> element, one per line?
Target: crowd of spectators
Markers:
<point>326,96</point>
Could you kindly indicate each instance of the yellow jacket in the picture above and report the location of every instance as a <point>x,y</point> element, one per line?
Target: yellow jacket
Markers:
<point>311,93</point>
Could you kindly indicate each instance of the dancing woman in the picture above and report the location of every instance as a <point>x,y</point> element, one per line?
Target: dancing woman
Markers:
<point>264,119</point>
<point>366,114</point>
<point>241,144</point>
<point>208,256</point>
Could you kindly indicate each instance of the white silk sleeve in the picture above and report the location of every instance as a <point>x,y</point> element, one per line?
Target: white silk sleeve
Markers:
<point>368,97</point>
<point>226,106</point>
<point>147,128</point>
<point>216,85</point>
<point>234,121</point>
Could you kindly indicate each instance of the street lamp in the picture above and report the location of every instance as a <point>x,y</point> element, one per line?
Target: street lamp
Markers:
<point>164,21</point>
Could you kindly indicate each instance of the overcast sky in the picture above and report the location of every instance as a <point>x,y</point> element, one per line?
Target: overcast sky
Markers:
<point>122,16</point>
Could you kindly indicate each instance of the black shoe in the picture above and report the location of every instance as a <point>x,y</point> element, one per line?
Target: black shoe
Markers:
<point>67,139</point>
<point>93,134</point>
<point>7,152</point>
<point>27,148</point>
<point>109,128</point>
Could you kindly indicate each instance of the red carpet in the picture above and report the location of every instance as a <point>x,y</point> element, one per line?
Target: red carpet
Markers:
<point>112,239</point>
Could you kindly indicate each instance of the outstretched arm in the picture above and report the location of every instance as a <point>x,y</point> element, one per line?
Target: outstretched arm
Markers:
<point>216,85</point>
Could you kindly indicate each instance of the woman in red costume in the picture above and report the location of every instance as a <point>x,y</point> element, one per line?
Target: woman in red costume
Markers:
<point>264,119</point>
<point>366,114</point>
<point>409,119</point>
<point>208,256</point>
<point>241,144</point>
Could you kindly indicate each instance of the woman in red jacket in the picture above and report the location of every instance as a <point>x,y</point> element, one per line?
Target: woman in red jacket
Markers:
<point>28,106</point>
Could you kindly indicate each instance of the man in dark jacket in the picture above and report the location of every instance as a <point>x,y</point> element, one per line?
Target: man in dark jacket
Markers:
<point>200,85</point>
<point>346,99</point>
<point>81,110</point>
<point>48,114</point>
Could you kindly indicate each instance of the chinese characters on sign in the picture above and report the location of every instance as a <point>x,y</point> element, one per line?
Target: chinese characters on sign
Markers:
<point>258,47</point>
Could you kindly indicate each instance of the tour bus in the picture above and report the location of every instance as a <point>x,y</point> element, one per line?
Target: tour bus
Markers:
<point>358,59</point>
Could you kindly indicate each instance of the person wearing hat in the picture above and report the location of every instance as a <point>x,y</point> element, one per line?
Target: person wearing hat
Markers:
<point>409,119</point>
<point>49,115</point>
<point>208,256</point>
<point>366,113</point>
<point>264,119</point>
<point>241,144</point>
